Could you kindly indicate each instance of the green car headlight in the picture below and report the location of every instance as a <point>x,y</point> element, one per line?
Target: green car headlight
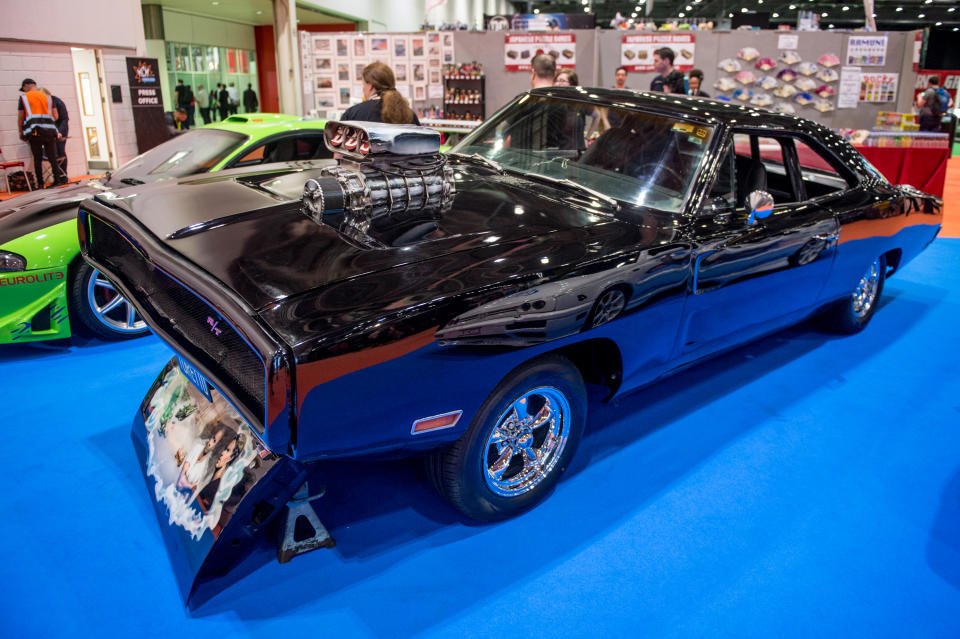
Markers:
<point>10,262</point>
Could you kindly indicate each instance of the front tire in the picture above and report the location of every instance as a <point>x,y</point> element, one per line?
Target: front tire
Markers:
<point>101,308</point>
<point>852,314</point>
<point>518,444</point>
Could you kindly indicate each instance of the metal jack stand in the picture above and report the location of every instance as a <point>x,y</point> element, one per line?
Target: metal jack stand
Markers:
<point>303,531</point>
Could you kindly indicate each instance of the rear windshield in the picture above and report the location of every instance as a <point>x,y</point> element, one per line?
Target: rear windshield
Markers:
<point>191,152</point>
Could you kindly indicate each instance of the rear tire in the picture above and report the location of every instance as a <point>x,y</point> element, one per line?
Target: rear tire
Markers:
<point>518,444</point>
<point>852,314</point>
<point>101,309</point>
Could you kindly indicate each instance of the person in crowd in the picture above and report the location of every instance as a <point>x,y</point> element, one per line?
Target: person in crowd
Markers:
<point>181,120</point>
<point>250,102</point>
<point>203,101</point>
<point>668,79</point>
<point>566,78</point>
<point>36,121</point>
<point>185,101</point>
<point>177,90</point>
<point>234,98</point>
<point>543,69</point>
<point>63,129</point>
<point>695,81</point>
<point>223,98</point>
<point>620,78</point>
<point>931,106</point>
<point>381,100</point>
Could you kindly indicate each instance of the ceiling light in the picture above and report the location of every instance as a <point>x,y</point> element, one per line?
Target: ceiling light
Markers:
<point>759,1</point>
<point>927,1</point>
<point>823,15</point>
<point>938,24</point>
<point>776,15</point>
<point>846,8</point>
<point>829,26</point>
<point>259,13</point>
<point>536,10</point>
<point>214,3</point>
<point>729,15</point>
<point>951,9</point>
<point>633,15</point>
<point>899,9</point>
<point>681,14</point>
<point>792,7</point>
<point>921,15</point>
<point>689,8</point>
<point>743,10</point>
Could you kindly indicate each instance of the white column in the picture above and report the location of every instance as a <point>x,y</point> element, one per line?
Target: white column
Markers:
<point>288,56</point>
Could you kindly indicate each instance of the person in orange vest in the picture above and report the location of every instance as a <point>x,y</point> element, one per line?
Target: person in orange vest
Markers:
<point>36,119</point>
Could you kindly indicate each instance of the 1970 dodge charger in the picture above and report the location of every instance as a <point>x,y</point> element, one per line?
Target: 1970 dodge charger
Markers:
<point>406,302</point>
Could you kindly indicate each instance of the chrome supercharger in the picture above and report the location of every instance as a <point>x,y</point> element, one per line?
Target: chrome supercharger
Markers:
<point>384,170</point>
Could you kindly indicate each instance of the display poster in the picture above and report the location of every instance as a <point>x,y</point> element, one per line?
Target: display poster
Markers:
<point>848,91</point>
<point>789,42</point>
<point>917,50</point>
<point>146,99</point>
<point>867,50</point>
<point>636,51</point>
<point>519,49</point>
<point>878,87</point>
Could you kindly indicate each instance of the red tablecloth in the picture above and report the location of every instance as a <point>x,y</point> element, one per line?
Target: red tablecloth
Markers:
<point>925,169</point>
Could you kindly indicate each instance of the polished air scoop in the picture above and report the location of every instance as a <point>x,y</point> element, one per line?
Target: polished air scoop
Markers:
<point>384,169</point>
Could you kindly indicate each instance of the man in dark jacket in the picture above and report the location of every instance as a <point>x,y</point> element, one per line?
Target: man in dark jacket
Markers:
<point>63,129</point>
<point>250,102</point>
<point>668,79</point>
<point>224,99</point>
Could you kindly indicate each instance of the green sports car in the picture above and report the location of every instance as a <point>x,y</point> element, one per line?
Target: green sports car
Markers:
<point>46,289</point>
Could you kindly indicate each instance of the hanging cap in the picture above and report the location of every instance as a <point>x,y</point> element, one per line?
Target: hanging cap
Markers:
<point>25,83</point>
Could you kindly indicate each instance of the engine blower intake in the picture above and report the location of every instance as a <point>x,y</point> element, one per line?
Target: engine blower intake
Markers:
<point>384,169</point>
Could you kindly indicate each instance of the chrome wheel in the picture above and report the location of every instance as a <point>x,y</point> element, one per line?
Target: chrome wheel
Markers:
<point>609,305</point>
<point>865,295</point>
<point>110,308</point>
<point>527,442</point>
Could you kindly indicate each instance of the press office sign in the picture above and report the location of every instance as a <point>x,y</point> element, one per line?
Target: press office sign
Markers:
<point>146,98</point>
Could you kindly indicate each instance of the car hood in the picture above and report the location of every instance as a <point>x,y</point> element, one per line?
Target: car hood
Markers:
<point>250,234</point>
<point>42,208</point>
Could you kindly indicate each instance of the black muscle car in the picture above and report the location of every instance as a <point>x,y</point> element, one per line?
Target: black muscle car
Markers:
<point>457,305</point>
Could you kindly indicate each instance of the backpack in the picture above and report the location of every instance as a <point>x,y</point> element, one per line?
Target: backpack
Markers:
<point>931,102</point>
<point>944,101</point>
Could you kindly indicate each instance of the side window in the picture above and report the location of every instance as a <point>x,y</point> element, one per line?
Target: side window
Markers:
<point>723,193</point>
<point>818,171</point>
<point>311,148</point>
<point>761,165</point>
<point>251,157</point>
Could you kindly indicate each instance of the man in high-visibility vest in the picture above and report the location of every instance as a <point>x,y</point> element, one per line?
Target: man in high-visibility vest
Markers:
<point>36,119</point>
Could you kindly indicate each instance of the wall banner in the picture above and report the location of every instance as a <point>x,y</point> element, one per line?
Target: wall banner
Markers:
<point>147,102</point>
<point>636,51</point>
<point>868,50</point>
<point>519,49</point>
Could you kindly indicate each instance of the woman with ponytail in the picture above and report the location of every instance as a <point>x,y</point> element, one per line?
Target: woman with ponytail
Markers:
<point>381,100</point>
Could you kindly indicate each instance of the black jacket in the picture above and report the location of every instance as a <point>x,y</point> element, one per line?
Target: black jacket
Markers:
<point>63,120</point>
<point>369,111</point>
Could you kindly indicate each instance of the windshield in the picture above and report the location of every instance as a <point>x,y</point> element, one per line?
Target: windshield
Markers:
<point>638,158</point>
<point>191,152</point>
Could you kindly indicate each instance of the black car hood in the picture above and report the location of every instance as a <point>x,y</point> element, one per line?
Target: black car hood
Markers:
<point>250,234</point>
<point>30,212</point>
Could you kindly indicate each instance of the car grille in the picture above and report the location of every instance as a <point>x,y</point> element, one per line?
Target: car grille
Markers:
<point>184,317</point>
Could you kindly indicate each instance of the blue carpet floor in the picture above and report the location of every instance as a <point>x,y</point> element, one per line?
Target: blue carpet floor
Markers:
<point>804,485</point>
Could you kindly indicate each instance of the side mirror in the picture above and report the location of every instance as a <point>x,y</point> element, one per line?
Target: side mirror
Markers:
<point>760,205</point>
<point>718,208</point>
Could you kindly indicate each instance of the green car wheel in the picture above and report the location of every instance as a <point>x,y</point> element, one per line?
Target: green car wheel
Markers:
<point>101,308</point>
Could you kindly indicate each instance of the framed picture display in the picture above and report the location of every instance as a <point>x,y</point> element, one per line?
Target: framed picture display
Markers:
<point>325,100</point>
<point>379,46</point>
<point>401,46</point>
<point>322,46</point>
<point>419,92</point>
<point>343,71</point>
<point>419,72</point>
<point>343,97</point>
<point>342,46</point>
<point>417,47</point>
<point>323,82</point>
<point>323,64</point>
<point>400,71</point>
<point>359,47</point>
<point>358,66</point>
